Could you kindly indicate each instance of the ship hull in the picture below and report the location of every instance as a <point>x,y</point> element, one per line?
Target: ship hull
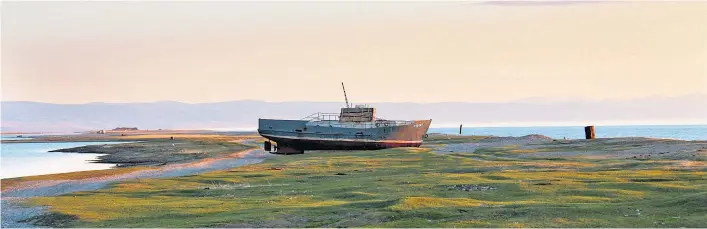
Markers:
<point>296,136</point>
<point>327,144</point>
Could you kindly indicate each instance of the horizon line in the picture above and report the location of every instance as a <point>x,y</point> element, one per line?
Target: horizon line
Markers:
<point>254,129</point>
<point>521,100</point>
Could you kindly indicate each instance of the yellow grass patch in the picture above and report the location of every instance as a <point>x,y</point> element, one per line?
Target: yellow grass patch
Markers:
<point>678,185</point>
<point>583,199</point>
<point>303,201</point>
<point>454,178</point>
<point>105,207</point>
<point>522,151</point>
<point>693,163</point>
<point>249,168</point>
<point>555,164</point>
<point>516,225</point>
<point>581,222</point>
<point>411,203</point>
<point>155,185</point>
<point>417,150</point>
<point>335,162</point>
<point>468,223</point>
<point>560,221</point>
<point>557,185</point>
<point>92,174</point>
<point>495,163</point>
<point>622,193</point>
<point>366,193</point>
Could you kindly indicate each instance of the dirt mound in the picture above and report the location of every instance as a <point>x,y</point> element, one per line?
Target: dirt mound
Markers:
<point>489,142</point>
<point>537,137</point>
<point>527,139</point>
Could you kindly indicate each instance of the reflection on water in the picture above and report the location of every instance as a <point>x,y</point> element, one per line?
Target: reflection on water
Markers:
<point>27,159</point>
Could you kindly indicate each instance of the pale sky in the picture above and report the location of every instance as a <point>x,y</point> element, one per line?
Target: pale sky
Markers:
<point>78,52</point>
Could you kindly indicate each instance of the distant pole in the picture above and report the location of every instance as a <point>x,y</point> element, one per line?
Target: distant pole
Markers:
<point>589,132</point>
<point>460,129</point>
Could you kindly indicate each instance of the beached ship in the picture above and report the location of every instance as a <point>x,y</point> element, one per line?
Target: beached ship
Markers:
<point>354,128</point>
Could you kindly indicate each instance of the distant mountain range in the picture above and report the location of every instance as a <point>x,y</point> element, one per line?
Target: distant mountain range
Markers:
<point>46,117</point>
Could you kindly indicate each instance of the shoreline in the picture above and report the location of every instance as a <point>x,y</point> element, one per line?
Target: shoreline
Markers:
<point>16,191</point>
<point>125,160</point>
<point>40,181</point>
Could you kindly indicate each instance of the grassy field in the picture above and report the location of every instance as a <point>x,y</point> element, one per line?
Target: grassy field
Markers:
<point>405,187</point>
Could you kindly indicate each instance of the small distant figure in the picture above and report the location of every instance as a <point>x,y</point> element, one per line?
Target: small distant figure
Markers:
<point>565,138</point>
<point>171,137</point>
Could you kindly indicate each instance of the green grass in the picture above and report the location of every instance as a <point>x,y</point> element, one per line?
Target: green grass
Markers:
<point>406,187</point>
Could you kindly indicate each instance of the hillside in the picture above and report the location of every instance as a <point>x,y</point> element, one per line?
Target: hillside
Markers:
<point>33,116</point>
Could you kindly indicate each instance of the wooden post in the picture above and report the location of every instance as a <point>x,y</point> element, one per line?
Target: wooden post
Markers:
<point>460,129</point>
<point>589,132</point>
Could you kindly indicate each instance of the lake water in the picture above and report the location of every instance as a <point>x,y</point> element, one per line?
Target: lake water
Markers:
<point>14,137</point>
<point>29,136</point>
<point>683,132</point>
<point>27,159</point>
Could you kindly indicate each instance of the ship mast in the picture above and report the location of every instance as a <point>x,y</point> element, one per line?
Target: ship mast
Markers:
<point>347,99</point>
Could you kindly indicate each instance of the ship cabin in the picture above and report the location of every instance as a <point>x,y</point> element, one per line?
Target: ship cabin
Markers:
<point>360,113</point>
<point>360,116</point>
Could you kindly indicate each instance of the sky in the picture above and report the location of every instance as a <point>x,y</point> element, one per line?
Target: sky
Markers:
<point>139,51</point>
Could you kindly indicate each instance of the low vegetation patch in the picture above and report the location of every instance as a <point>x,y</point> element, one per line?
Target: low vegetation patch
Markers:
<point>160,151</point>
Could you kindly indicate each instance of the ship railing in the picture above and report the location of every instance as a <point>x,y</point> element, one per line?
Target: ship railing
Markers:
<point>394,122</point>
<point>361,125</point>
<point>332,119</point>
<point>319,116</point>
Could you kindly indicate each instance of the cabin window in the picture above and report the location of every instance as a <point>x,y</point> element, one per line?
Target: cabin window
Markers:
<point>298,130</point>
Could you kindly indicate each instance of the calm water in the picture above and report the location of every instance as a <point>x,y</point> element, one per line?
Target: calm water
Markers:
<point>27,159</point>
<point>684,132</point>
<point>29,136</point>
<point>14,137</point>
